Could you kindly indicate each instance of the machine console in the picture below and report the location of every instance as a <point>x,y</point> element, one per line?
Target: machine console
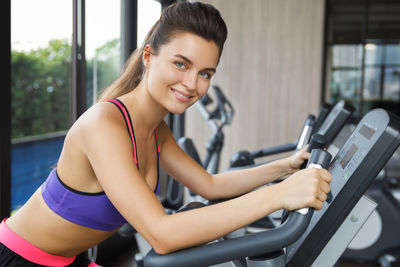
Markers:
<point>355,166</point>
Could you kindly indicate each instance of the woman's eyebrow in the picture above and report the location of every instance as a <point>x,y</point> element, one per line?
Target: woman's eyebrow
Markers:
<point>191,63</point>
<point>184,58</point>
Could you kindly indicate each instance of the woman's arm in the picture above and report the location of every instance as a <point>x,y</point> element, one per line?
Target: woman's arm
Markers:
<point>109,150</point>
<point>238,182</point>
<point>224,185</point>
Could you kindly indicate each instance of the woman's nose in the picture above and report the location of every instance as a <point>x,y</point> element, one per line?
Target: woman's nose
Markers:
<point>190,80</point>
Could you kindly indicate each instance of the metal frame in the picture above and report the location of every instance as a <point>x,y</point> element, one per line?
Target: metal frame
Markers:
<point>78,93</point>
<point>128,28</point>
<point>324,54</point>
<point>5,118</point>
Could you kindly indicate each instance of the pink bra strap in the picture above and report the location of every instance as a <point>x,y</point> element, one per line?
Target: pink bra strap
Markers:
<point>158,148</point>
<point>129,126</point>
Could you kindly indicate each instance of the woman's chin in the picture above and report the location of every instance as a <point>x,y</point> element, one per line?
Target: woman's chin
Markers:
<point>179,109</point>
<point>177,112</point>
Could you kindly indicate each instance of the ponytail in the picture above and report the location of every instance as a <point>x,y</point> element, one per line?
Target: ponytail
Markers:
<point>130,78</point>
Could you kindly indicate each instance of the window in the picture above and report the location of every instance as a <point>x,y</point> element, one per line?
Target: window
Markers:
<point>363,53</point>
<point>41,41</point>
<point>346,71</point>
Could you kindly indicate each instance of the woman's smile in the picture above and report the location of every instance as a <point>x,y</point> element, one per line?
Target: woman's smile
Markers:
<point>181,96</point>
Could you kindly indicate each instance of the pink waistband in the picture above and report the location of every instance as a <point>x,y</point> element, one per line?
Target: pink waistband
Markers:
<point>28,251</point>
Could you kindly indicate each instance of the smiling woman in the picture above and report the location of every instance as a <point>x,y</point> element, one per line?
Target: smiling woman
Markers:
<point>108,170</point>
<point>182,67</point>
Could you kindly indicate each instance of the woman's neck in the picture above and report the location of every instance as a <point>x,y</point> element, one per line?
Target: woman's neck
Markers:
<point>146,113</point>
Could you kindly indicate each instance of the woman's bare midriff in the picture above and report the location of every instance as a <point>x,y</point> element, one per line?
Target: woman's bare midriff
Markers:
<point>52,233</point>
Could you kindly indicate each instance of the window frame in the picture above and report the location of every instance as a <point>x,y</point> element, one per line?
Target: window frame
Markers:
<point>5,118</point>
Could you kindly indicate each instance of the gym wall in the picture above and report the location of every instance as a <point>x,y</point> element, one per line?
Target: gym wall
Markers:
<point>270,70</point>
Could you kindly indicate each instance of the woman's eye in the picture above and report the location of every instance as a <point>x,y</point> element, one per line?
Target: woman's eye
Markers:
<point>180,65</point>
<point>205,75</point>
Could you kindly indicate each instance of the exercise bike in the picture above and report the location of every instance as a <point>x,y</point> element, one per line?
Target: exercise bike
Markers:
<point>311,238</point>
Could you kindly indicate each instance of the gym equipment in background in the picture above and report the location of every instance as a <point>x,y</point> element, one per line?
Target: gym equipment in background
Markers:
<point>328,123</point>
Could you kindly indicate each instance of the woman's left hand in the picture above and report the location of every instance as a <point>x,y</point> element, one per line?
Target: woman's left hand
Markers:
<point>298,158</point>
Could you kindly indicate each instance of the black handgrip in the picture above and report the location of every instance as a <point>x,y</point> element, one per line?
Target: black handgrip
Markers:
<point>319,158</point>
<point>322,158</point>
<point>317,141</point>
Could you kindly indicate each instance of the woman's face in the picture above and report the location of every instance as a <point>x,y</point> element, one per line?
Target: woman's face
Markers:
<point>180,73</point>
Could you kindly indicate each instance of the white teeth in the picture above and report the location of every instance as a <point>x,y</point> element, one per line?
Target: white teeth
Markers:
<point>176,92</point>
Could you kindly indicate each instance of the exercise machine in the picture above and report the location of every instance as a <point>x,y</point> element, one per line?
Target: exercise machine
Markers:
<point>309,237</point>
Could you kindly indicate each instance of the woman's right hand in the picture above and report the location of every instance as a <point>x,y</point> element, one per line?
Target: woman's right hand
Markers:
<point>305,188</point>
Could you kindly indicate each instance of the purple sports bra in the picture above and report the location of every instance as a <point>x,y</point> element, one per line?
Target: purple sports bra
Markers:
<point>93,210</point>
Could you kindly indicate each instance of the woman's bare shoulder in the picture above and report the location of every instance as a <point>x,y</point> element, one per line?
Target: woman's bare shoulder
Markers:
<point>98,115</point>
<point>101,112</point>
<point>102,118</point>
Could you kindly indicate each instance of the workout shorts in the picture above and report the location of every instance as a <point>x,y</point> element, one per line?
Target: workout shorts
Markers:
<point>17,252</point>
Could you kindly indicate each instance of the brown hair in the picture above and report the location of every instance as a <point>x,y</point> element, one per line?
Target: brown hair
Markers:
<point>193,17</point>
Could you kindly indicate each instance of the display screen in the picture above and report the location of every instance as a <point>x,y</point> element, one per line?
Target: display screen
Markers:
<point>349,154</point>
<point>366,131</point>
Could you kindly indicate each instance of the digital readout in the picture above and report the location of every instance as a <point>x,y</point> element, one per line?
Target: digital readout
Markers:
<point>348,156</point>
<point>366,131</point>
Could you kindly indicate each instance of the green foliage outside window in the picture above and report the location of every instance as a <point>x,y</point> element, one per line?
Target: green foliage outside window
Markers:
<point>107,60</point>
<point>41,85</point>
<point>40,92</point>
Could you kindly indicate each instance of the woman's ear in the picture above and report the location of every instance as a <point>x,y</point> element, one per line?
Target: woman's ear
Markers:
<point>147,53</point>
